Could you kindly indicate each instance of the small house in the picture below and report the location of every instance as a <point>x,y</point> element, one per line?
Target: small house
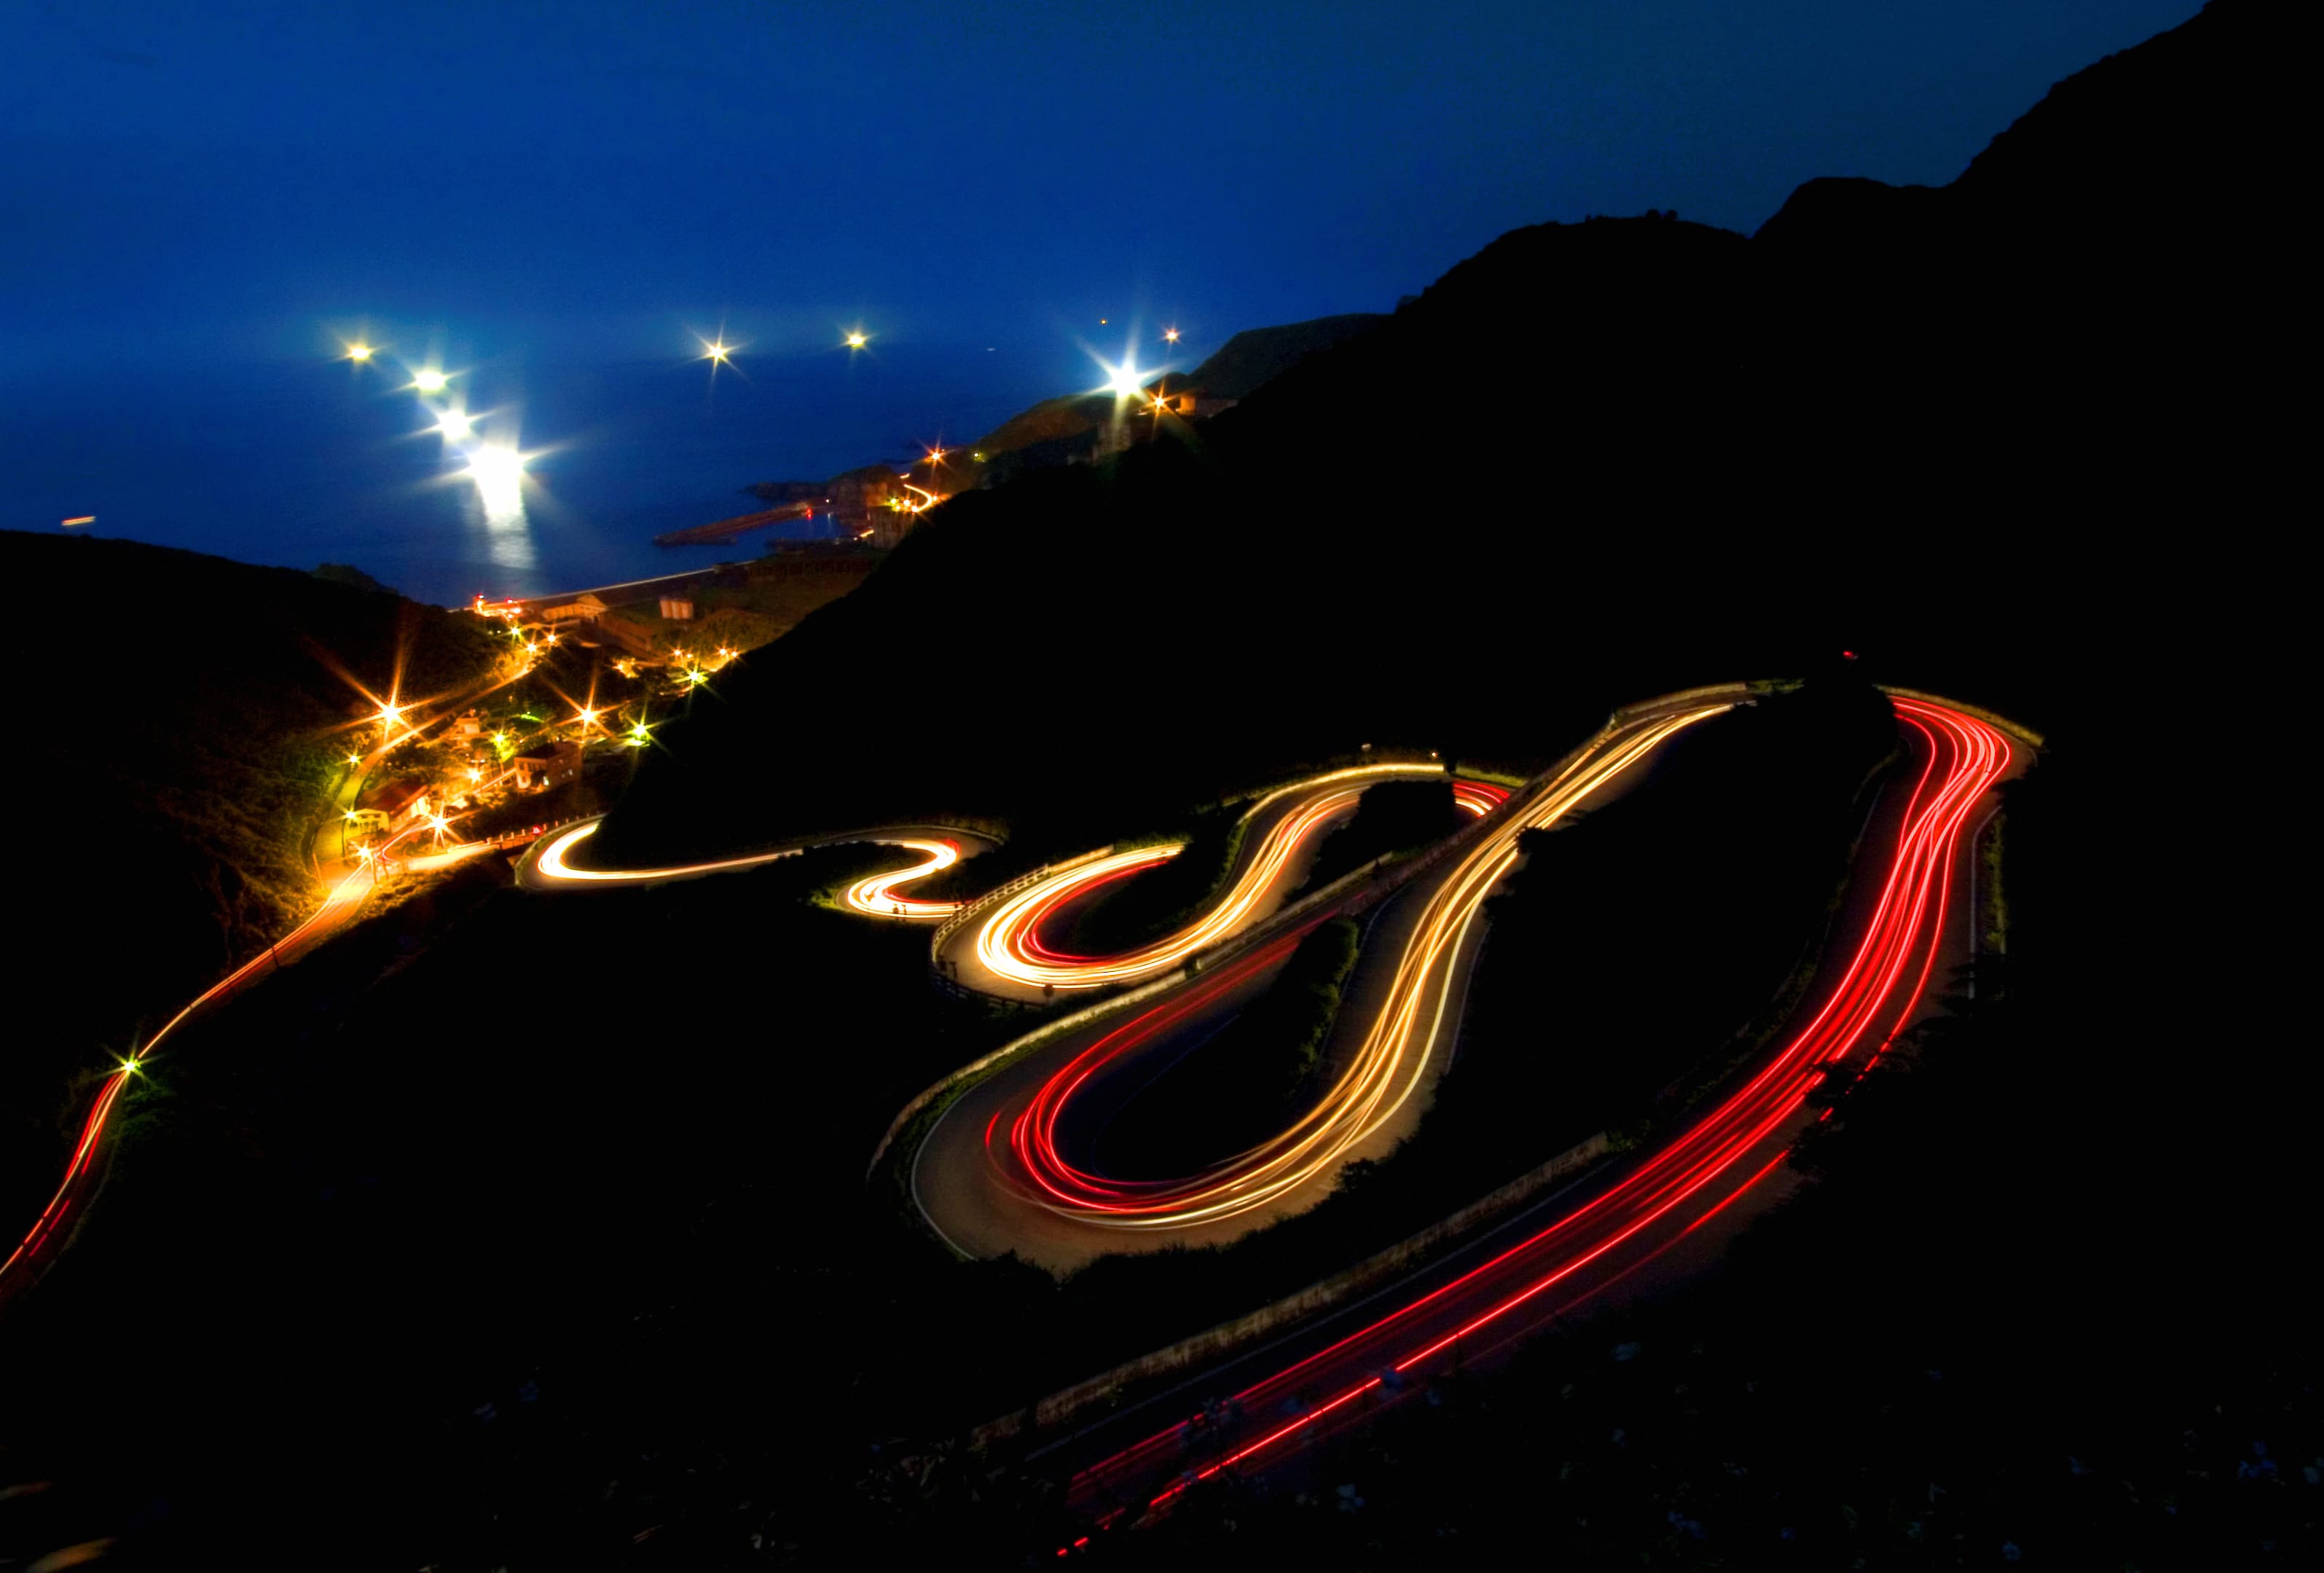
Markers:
<point>539,769</point>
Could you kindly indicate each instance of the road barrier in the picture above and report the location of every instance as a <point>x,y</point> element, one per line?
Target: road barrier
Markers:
<point>1063,1405</point>
<point>1990,717</point>
<point>1067,1403</point>
<point>1259,933</point>
<point>972,910</point>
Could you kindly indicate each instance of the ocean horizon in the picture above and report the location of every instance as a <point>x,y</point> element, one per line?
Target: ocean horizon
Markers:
<point>295,464</point>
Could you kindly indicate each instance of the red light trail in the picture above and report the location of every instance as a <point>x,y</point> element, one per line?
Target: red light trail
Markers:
<point>1380,1076</point>
<point>342,901</point>
<point>1008,941</point>
<point>1703,1167</point>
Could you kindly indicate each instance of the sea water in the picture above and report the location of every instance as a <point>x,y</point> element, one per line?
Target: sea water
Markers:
<point>300,463</point>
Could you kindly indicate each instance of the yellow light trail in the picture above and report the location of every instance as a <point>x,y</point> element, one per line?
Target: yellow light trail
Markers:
<point>1006,943</point>
<point>1383,1073</point>
<point>551,865</point>
<point>877,897</point>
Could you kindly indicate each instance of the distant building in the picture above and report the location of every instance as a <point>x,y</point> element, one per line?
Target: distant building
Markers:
<point>1186,404</point>
<point>887,527</point>
<point>539,769</point>
<point>467,728</point>
<point>579,610</point>
<point>631,636</point>
<point>386,807</point>
<point>677,608</point>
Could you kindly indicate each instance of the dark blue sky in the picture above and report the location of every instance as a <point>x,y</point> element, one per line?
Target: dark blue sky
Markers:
<point>230,179</point>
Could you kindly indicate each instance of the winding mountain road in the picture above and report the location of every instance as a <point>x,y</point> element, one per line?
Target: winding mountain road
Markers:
<point>1007,1166</point>
<point>1260,1408</point>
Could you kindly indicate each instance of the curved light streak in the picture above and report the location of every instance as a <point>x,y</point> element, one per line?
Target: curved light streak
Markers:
<point>341,900</point>
<point>1704,1167</point>
<point>1381,1076</point>
<point>1009,942</point>
<point>877,897</point>
<point>1478,797</point>
<point>549,864</point>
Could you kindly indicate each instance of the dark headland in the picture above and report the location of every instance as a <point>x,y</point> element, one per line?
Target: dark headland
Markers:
<point>518,1230</point>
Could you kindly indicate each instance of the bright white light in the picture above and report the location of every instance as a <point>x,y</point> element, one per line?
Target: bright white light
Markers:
<point>454,425</point>
<point>499,475</point>
<point>359,352</point>
<point>1125,380</point>
<point>430,381</point>
<point>495,466</point>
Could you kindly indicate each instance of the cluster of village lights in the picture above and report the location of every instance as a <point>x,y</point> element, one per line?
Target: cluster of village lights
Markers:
<point>392,714</point>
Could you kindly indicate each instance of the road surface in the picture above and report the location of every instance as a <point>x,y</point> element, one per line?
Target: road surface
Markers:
<point>1260,1409</point>
<point>1007,1166</point>
<point>1002,951</point>
<point>560,862</point>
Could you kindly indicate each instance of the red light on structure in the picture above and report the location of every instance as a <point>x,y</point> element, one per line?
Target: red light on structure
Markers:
<point>1848,656</point>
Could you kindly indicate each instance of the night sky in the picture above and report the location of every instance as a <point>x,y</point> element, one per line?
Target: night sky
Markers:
<point>237,180</point>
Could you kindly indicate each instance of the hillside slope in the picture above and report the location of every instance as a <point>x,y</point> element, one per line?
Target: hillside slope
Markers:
<point>1235,370</point>
<point>1257,355</point>
<point>1591,461</point>
<point>182,738</point>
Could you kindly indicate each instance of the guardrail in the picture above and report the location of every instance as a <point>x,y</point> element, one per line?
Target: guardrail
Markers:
<point>1323,1294</point>
<point>1258,798</point>
<point>1990,717</point>
<point>1256,934</point>
<point>972,910</point>
<point>1734,691</point>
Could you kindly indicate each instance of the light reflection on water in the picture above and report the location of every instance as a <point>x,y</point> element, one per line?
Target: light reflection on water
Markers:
<point>497,505</point>
<point>303,463</point>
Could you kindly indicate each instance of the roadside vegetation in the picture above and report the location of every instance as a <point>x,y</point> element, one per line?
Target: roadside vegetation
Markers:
<point>1249,1079</point>
<point>1164,899</point>
<point>747,607</point>
<point>1664,924</point>
<point>533,1231</point>
<point>1983,1333</point>
<point>181,759</point>
<point>1391,818</point>
<point>666,1101</point>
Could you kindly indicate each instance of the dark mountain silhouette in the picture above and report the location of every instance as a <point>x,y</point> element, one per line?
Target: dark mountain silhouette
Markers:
<point>183,747</point>
<point>1257,355</point>
<point>1591,461</point>
<point>1066,427</point>
<point>480,1287</point>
